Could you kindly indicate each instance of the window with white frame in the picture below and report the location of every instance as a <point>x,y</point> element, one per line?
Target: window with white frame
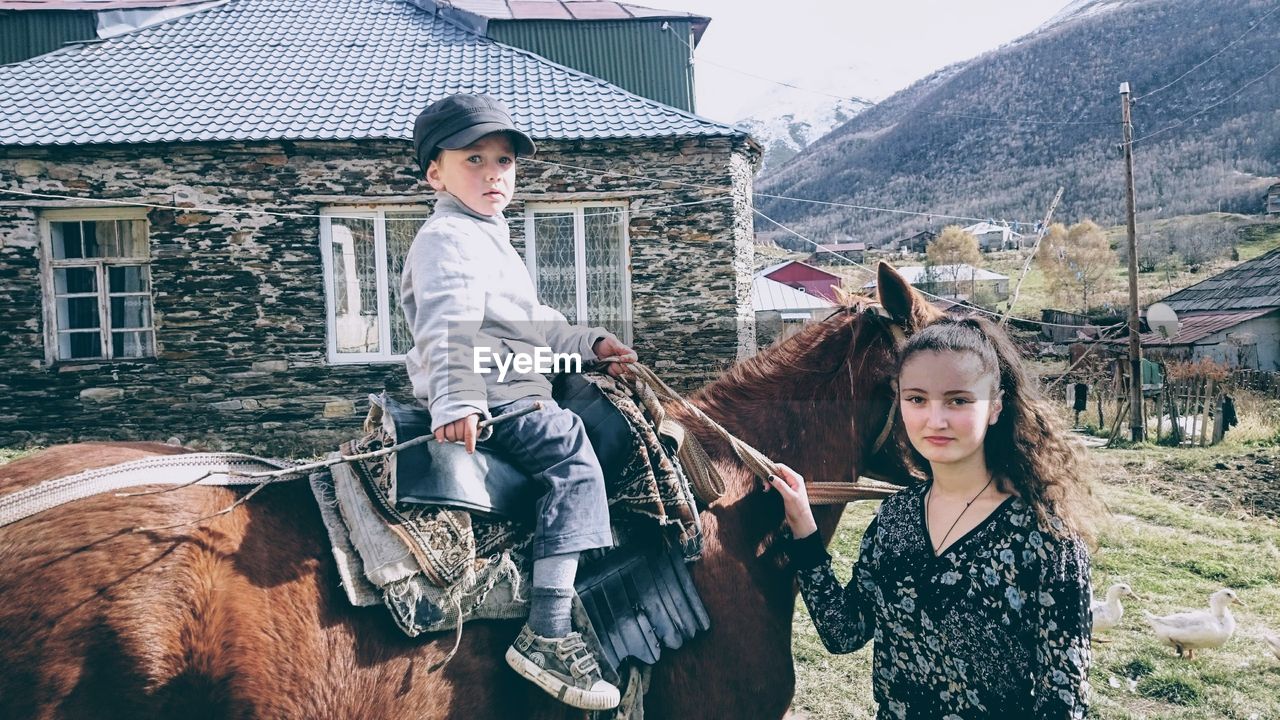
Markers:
<point>98,285</point>
<point>577,255</point>
<point>364,251</point>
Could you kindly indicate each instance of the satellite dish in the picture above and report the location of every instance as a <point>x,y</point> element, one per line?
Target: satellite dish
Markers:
<point>1163,320</point>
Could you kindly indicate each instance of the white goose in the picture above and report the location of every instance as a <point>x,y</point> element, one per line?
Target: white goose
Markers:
<point>1274,641</point>
<point>1188,631</point>
<point>1107,613</point>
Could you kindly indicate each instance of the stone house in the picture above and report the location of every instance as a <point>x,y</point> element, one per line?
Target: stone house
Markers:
<point>203,238</point>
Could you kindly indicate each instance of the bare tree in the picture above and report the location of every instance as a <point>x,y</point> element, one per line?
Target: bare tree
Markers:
<point>952,249</point>
<point>1077,262</point>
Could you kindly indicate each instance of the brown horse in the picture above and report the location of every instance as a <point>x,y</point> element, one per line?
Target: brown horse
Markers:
<point>242,616</point>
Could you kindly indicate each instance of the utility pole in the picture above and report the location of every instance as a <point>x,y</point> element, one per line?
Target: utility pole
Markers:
<point>1026,265</point>
<point>1135,343</point>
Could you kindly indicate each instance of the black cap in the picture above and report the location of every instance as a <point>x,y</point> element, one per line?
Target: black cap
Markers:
<point>459,120</point>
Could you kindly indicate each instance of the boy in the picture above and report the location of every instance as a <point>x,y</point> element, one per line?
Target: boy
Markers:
<point>464,288</point>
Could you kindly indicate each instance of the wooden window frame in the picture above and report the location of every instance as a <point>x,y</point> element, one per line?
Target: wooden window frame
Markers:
<point>48,264</point>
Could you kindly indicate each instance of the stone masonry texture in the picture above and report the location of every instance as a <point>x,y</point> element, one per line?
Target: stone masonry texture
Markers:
<point>239,297</point>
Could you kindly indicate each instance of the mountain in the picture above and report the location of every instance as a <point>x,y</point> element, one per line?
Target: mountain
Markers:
<point>994,137</point>
<point>791,115</point>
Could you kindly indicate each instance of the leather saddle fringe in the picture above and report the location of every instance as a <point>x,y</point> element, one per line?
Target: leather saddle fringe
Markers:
<point>640,601</point>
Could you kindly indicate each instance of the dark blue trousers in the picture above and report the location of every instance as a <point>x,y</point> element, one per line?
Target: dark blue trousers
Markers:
<point>551,446</point>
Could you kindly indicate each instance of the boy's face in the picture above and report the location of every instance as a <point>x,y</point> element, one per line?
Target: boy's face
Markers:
<point>481,175</point>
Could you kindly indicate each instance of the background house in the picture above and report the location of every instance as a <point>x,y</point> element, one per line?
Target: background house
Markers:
<point>240,286</point>
<point>844,252</point>
<point>992,236</point>
<point>803,276</point>
<point>644,50</point>
<point>1273,200</point>
<point>778,307</point>
<point>34,27</point>
<point>917,243</point>
<point>1232,318</point>
<point>961,281</point>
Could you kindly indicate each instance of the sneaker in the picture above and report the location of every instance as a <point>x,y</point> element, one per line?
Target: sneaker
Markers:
<point>564,667</point>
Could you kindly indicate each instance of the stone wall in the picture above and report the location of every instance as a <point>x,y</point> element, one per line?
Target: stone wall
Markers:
<point>239,297</point>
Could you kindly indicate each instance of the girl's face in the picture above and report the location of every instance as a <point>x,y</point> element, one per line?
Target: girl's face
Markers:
<point>947,403</point>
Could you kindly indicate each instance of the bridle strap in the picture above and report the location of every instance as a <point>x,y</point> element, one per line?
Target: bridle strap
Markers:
<point>899,339</point>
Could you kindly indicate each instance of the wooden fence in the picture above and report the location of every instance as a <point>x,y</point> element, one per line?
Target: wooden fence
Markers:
<point>1256,381</point>
<point>1189,411</point>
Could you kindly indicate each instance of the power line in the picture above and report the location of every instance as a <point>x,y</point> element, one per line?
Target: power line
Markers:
<point>1200,64</point>
<point>291,215</point>
<point>308,216</point>
<point>828,203</point>
<point>1202,111</point>
<point>869,103</point>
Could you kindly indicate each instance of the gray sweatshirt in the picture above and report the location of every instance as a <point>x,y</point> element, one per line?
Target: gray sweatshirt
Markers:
<point>464,287</point>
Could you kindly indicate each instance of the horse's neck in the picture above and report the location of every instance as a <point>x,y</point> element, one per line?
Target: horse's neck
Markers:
<point>809,431</point>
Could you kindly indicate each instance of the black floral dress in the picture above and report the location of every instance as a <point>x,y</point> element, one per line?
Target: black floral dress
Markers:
<point>997,626</point>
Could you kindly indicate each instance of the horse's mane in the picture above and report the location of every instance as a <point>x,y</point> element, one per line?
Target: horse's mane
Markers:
<point>798,357</point>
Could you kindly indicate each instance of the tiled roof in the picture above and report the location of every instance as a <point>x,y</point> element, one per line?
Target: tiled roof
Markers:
<point>92,5</point>
<point>982,228</point>
<point>1193,328</point>
<point>1251,284</point>
<point>769,294</point>
<point>306,70</point>
<point>841,247</point>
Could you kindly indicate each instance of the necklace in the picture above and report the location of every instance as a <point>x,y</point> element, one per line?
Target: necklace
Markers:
<point>943,542</point>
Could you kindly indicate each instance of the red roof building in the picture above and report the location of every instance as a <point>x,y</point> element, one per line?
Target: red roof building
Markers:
<point>803,276</point>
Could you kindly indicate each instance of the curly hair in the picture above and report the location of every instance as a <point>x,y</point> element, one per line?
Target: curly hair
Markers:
<point>1027,450</point>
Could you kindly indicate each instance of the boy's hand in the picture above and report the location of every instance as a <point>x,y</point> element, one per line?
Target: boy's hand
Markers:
<point>611,347</point>
<point>462,430</point>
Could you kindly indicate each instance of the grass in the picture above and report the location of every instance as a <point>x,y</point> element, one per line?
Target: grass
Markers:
<point>1174,556</point>
<point>1256,240</point>
<point>11,454</point>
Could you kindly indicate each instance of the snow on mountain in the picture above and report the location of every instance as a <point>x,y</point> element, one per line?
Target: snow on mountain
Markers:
<point>785,120</point>
<point>1081,9</point>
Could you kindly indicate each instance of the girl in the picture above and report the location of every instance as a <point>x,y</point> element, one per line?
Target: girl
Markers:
<point>974,582</point>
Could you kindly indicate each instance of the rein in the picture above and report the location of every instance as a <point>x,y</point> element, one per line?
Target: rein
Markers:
<point>711,487</point>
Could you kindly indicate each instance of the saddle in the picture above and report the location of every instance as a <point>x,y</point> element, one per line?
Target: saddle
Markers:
<point>441,536</point>
<point>444,474</point>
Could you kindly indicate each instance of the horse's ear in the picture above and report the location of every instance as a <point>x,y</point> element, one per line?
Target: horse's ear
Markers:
<point>843,297</point>
<point>895,293</point>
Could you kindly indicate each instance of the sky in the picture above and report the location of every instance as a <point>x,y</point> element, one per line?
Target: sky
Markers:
<point>863,47</point>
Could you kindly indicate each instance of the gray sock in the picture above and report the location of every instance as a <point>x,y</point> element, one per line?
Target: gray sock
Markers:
<point>551,601</point>
<point>556,571</point>
<point>549,611</point>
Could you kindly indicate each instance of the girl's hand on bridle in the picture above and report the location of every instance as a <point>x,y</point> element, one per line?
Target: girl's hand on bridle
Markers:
<point>795,501</point>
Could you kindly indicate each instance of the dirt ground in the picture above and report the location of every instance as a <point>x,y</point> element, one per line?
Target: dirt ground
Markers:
<point>1240,481</point>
